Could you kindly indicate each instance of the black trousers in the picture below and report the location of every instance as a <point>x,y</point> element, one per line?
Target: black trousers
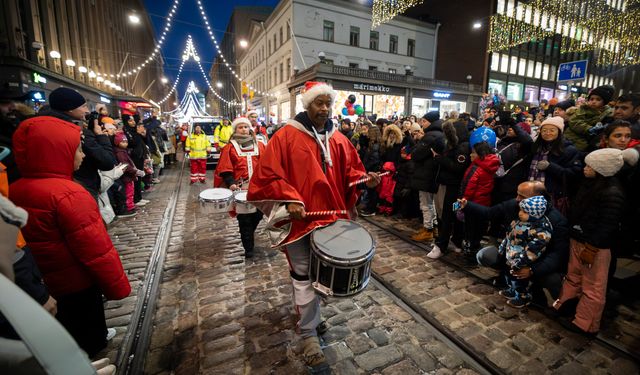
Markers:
<point>82,314</point>
<point>118,197</point>
<point>448,222</point>
<point>248,224</point>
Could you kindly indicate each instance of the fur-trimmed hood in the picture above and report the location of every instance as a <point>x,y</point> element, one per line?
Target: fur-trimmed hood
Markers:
<point>387,140</point>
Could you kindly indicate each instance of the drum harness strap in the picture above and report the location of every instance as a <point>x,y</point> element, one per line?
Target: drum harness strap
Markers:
<point>248,154</point>
<point>324,149</point>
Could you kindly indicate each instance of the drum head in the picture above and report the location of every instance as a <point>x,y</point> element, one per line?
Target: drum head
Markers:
<point>343,239</point>
<point>215,194</point>
<point>241,196</point>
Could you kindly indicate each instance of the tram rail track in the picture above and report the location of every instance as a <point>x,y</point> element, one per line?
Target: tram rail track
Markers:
<point>132,353</point>
<point>479,358</point>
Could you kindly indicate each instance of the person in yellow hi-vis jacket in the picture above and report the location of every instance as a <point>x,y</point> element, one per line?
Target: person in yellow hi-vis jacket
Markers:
<point>223,133</point>
<point>197,146</point>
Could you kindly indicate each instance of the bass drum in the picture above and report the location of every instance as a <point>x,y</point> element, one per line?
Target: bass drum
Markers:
<point>341,255</point>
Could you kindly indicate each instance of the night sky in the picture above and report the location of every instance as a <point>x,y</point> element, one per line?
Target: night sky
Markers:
<point>188,20</point>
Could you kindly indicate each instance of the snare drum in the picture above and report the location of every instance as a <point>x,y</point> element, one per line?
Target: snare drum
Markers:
<point>215,201</point>
<point>240,200</point>
<point>341,255</point>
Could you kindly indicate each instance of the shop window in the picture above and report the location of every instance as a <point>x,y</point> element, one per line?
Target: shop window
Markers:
<point>504,63</point>
<point>545,72</point>
<point>327,34</point>
<point>513,68</point>
<point>393,44</point>
<point>420,106</point>
<point>354,36</point>
<point>354,65</point>
<point>514,91</point>
<point>374,38</point>
<point>530,66</point>
<point>495,61</point>
<point>531,94</point>
<point>522,67</point>
<point>538,70</point>
<point>496,85</point>
<point>411,47</point>
<point>546,93</point>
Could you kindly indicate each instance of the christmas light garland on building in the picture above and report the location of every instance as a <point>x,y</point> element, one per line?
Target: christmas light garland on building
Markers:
<point>584,25</point>
<point>386,10</point>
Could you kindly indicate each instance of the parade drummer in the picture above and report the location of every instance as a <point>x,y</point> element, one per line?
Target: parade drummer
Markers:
<point>307,166</point>
<point>235,168</point>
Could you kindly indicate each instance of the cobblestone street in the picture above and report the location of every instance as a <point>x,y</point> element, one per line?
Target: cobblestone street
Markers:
<point>218,313</point>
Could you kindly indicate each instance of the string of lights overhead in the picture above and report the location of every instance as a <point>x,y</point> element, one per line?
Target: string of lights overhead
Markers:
<point>220,55</point>
<point>386,10</point>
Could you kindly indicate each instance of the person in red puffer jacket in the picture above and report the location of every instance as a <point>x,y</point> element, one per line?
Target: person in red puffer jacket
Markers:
<point>477,185</point>
<point>65,231</point>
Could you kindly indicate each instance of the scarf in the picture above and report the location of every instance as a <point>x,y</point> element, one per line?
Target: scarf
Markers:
<point>245,141</point>
<point>534,173</point>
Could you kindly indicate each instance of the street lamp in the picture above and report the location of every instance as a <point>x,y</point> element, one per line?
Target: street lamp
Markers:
<point>134,19</point>
<point>244,43</point>
<point>54,54</point>
<point>82,69</point>
<point>219,85</point>
<point>164,80</point>
<point>322,56</point>
<point>70,63</point>
<point>407,70</point>
<point>477,25</point>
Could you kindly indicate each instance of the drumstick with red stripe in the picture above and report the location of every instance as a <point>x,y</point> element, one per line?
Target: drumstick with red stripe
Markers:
<point>326,213</point>
<point>366,179</point>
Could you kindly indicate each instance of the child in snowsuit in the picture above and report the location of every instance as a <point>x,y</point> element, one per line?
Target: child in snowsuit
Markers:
<point>588,121</point>
<point>525,242</point>
<point>130,172</point>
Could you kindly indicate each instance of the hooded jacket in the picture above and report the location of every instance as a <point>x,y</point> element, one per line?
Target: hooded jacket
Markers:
<point>477,183</point>
<point>424,177</point>
<point>97,150</point>
<point>65,230</point>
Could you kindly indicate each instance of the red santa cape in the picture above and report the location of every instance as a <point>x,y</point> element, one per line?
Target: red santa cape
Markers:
<point>291,170</point>
<point>233,159</point>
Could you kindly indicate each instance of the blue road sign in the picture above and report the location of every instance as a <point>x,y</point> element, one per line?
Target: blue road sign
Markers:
<point>573,71</point>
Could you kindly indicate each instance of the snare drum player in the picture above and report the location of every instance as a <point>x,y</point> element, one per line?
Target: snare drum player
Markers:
<point>235,168</point>
<point>307,166</point>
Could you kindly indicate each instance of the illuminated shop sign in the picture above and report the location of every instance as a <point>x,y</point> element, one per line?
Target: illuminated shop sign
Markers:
<point>368,87</point>
<point>37,96</point>
<point>105,100</point>
<point>37,78</point>
<point>441,95</point>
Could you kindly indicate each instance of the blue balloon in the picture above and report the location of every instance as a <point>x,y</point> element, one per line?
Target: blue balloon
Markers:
<point>345,111</point>
<point>483,134</point>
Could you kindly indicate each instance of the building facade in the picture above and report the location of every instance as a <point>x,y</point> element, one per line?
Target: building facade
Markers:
<point>45,44</point>
<point>238,29</point>
<point>332,40</point>
<point>525,73</point>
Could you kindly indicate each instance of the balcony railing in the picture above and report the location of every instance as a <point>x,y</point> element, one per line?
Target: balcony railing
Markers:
<point>382,77</point>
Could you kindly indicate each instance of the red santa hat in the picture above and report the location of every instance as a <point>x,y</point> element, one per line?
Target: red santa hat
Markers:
<point>314,89</point>
<point>251,112</point>
<point>239,120</point>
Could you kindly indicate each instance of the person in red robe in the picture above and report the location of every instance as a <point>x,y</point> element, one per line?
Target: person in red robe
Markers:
<point>307,166</point>
<point>259,130</point>
<point>235,168</point>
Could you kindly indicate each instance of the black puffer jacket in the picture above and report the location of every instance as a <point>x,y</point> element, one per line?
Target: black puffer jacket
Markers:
<point>137,147</point>
<point>596,211</point>
<point>424,177</point>
<point>563,172</point>
<point>452,163</point>
<point>512,150</point>
<point>556,256</point>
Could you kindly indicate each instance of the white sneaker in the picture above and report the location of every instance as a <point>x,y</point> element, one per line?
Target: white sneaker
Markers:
<point>111,333</point>
<point>144,201</point>
<point>435,253</point>
<point>455,248</point>
<point>141,204</point>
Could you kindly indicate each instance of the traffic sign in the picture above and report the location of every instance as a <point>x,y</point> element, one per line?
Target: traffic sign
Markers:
<point>573,71</point>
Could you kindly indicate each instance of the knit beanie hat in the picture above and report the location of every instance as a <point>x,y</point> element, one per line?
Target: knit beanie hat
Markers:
<point>553,101</point>
<point>119,138</point>
<point>107,120</point>
<point>566,104</point>
<point>557,121</point>
<point>65,99</point>
<point>605,92</point>
<point>524,126</point>
<point>432,116</point>
<point>535,206</point>
<point>609,161</point>
<point>314,89</point>
<point>240,120</point>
